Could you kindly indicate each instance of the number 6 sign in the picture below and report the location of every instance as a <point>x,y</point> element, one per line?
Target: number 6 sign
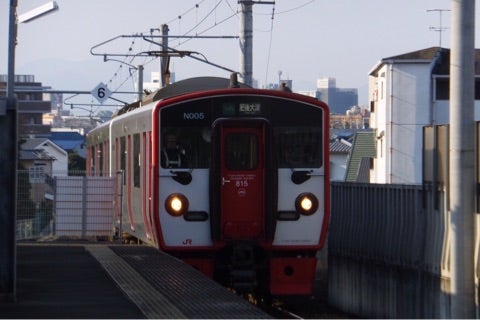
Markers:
<point>101,92</point>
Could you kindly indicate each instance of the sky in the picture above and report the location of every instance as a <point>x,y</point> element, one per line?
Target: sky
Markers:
<point>304,40</point>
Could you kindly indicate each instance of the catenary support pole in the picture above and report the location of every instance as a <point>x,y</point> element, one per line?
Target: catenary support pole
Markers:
<point>462,158</point>
<point>246,41</point>
<point>140,82</point>
<point>8,177</point>
<point>164,57</point>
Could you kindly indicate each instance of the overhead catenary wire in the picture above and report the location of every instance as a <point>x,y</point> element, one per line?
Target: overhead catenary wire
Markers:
<point>192,31</point>
<point>186,12</point>
<point>208,29</point>
<point>273,13</point>
<point>296,8</point>
<point>179,17</point>
<point>199,21</point>
<point>204,18</point>
<point>120,67</point>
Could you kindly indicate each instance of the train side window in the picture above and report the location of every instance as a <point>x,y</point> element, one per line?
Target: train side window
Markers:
<point>92,160</point>
<point>136,160</point>
<point>106,157</point>
<point>100,159</point>
<point>241,151</point>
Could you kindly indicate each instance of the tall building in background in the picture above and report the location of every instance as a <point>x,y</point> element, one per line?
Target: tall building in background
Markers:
<point>338,99</point>
<point>31,105</point>
<point>154,83</point>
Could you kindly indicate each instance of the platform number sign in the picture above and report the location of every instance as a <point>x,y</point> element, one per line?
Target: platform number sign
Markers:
<point>101,92</point>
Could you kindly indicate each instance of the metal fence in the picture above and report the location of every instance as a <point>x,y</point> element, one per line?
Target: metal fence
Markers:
<point>389,251</point>
<point>64,205</point>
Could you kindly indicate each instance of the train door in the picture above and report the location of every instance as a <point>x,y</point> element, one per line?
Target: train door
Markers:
<point>241,179</point>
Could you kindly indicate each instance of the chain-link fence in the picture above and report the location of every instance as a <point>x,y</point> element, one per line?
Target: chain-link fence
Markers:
<point>64,205</point>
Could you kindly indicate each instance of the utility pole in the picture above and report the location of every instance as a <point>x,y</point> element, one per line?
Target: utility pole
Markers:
<point>8,170</point>
<point>246,38</point>
<point>164,57</point>
<point>462,159</point>
<point>246,41</point>
<point>8,157</point>
<point>140,82</point>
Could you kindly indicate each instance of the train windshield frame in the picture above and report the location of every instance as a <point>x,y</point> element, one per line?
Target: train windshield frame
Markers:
<point>297,127</point>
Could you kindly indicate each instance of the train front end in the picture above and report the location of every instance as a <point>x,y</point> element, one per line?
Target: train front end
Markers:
<point>242,182</point>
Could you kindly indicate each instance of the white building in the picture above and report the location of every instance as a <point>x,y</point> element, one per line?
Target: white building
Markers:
<point>155,82</point>
<point>407,92</point>
<point>339,152</point>
<point>59,165</point>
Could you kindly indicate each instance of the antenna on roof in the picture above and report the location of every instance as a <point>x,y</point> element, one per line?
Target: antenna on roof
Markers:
<point>440,28</point>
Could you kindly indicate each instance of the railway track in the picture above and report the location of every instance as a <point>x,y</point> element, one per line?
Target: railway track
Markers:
<point>314,308</point>
<point>280,313</point>
<point>300,308</point>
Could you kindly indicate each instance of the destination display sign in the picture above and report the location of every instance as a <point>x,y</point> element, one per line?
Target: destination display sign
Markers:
<point>249,108</point>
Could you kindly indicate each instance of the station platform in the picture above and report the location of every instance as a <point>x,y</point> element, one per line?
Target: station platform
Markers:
<point>105,281</point>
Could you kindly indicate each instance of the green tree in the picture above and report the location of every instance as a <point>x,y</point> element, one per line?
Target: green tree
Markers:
<point>75,162</point>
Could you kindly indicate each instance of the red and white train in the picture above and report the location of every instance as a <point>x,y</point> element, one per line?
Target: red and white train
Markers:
<point>232,180</point>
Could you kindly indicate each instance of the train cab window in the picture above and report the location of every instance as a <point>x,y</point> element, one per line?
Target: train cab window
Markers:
<point>185,147</point>
<point>299,147</point>
<point>241,151</point>
<point>173,153</point>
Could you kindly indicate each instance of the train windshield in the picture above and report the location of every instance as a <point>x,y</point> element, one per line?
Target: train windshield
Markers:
<point>185,147</point>
<point>297,130</point>
<point>189,147</point>
<point>298,146</point>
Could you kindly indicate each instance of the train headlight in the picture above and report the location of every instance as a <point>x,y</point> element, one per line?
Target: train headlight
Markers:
<point>306,203</point>
<point>176,204</point>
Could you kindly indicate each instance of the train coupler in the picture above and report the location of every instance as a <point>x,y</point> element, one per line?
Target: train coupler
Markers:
<point>243,280</point>
<point>243,276</point>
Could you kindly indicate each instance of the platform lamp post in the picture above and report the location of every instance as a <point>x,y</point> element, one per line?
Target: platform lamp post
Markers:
<point>8,155</point>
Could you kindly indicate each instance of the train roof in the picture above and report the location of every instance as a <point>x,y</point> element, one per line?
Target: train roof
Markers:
<point>190,85</point>
<point>183,87</point>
